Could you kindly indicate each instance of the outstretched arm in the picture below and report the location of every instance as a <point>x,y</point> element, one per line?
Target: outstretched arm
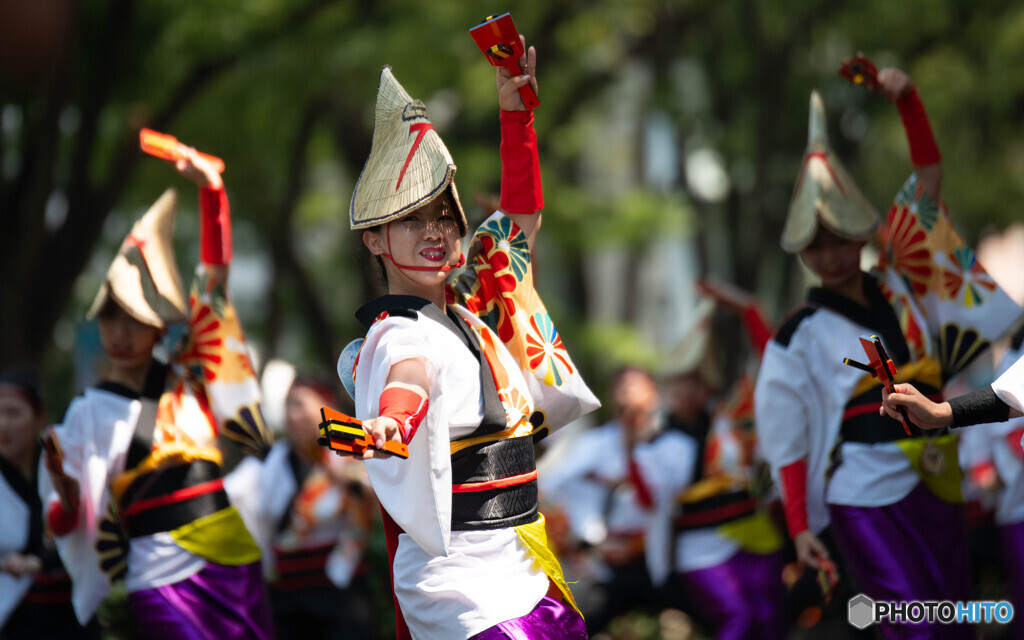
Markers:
<point>403,405</point>
<point>897,87</point>
<point>978,407</point>
<point>521,194</point>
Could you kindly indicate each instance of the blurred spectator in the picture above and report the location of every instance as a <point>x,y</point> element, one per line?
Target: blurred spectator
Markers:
<point>35,590</point>
<point>312,513</point>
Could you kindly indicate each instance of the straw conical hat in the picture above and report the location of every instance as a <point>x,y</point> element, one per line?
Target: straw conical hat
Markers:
<point>693,354</point>
<point>144,277</point>
<point>408,165</point>
<point>825,191</point>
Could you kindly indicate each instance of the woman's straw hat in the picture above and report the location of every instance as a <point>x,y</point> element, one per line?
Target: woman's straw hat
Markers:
<point>144,277</point>
<point>824,191</point>
<point>408,165</point>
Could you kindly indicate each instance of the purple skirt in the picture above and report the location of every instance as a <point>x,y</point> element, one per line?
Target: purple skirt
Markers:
<point>742,598</point>
<point>549,620</point>
<point>1012,536</point>
<point>915,549</point>
<point>217,603</point>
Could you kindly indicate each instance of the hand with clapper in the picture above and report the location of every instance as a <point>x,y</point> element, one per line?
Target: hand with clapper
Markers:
<point>66,487</point>
<point>859,70</point>
<point>880,366</point>
<point>498,38</point>
<point>167,147</point>
<point>345,434</point>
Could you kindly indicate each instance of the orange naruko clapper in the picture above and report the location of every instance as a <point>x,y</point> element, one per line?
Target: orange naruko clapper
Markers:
<point>340,432</point>
<point>167,147</point>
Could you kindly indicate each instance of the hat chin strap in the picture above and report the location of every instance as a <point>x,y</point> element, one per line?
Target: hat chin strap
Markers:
<point>409,267</point>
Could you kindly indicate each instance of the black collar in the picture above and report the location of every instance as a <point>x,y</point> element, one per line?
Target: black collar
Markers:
<point>878,316</point>
<point>152,388</point>
<point>393,304</point>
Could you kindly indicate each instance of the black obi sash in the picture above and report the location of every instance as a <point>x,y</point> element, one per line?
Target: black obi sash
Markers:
<point>167,497</point>
<point>715,510</point>
<point>494,484</point>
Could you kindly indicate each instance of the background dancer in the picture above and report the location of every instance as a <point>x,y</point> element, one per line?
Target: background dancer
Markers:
<point>720,547</point>
<point>141,448</point>
<point>893,500</point>
<point>312,513</point>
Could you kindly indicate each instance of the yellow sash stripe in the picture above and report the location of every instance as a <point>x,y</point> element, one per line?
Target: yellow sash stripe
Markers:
<point>220,537</point>
<point>535,537</point>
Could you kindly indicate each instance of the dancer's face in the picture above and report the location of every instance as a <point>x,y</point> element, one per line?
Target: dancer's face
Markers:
<point>302,415</point>
<point>19,425</point>
<point>427,237</point>
<point>832,258</point>
<point>126,341</point>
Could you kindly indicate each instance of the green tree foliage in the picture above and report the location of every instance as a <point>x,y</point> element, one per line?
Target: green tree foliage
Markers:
<point>284,92</point>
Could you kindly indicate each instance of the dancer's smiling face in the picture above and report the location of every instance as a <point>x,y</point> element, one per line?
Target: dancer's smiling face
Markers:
<point>427,237</point>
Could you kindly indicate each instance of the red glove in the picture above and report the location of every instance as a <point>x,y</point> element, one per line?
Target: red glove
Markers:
<point>521,190</point>
<point>214,227</point>
<point>794,496</point>
<point>923,149</point>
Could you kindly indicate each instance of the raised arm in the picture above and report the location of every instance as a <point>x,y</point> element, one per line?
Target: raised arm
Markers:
<point>215,215</point>
<point>897,87</point>
<point>521,193</point>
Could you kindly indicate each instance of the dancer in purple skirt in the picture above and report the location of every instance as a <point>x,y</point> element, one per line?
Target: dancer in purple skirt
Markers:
<point>143,497</point>
<point>891,498</point>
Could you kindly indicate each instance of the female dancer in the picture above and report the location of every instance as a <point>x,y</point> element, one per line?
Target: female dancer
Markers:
<point>141,448</point>
<point>469,551</point>
<point>892,496</point>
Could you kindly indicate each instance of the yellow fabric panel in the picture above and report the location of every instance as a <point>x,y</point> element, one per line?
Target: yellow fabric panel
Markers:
<point>947,484</point>
<point>535,537</point>
<point>168,455</point>
<point>220,537</point>
<point>756,533</point>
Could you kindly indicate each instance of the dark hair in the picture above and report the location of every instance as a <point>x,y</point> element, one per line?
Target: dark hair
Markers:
<point>319,383</point>
<point>27,383</point>
<point>373,266</point>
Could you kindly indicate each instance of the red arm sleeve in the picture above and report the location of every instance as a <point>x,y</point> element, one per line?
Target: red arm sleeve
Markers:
<point>61,522</point>
<point>521,190</point>
<point>214,226</point>
<point>924,150</point>
<point>758,331</point>
<point>794,495</point>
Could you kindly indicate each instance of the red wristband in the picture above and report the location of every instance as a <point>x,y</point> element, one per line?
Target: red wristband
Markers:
<point>61,522</point>
<point>924,150</point>
<point>794,496</point>
<point>214,227</point>
<point>643,492</point>
<point>521,190</point>
<point>406,407</point>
